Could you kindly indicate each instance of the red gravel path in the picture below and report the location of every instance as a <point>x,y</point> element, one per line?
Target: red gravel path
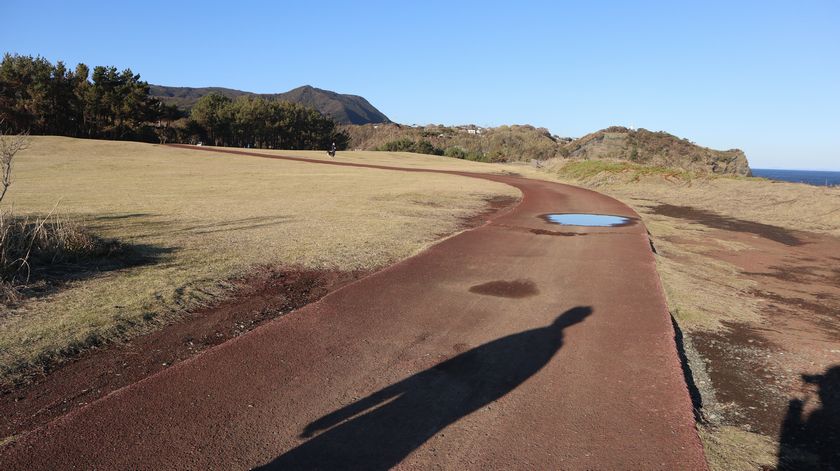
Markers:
<point>516,345</point>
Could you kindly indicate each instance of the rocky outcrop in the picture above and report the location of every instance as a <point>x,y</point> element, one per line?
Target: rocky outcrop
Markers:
<point>656,148</point>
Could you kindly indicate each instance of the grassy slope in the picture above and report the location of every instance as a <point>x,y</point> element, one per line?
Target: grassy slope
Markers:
<point>210,217</point>
<point>789,205</point>
<point>703,291</point>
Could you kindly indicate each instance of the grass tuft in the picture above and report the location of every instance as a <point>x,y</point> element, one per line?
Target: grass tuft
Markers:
<point>30,245</point>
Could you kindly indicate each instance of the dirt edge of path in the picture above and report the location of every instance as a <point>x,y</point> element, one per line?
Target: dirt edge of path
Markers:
<point>266,294</point>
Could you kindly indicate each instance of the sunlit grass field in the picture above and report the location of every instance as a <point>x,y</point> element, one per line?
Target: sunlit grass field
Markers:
<point>199,219</point>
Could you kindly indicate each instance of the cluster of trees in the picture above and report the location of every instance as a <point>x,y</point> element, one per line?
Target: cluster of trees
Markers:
<point>39,97</point>
<point>423,146</point>
<point>461,153</point>
<point>250,121</point>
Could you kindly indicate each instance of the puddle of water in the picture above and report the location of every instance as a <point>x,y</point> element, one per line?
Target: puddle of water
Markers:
<point>590,220</point>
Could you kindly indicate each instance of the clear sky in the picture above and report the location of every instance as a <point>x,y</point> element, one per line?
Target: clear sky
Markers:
<point>762,76</point>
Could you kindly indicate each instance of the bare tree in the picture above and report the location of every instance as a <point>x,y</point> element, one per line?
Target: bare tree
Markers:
<point>10,144</point>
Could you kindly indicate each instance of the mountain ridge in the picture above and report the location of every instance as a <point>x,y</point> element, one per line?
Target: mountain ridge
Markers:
<point>343,108</point>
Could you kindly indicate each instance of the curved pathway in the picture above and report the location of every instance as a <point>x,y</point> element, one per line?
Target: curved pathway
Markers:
<point>517,345</point>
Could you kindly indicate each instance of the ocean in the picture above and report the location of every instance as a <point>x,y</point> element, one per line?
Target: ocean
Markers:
<point>811,177</point>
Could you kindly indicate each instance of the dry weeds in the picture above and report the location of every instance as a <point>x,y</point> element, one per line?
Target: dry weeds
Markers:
<point>730,449</point>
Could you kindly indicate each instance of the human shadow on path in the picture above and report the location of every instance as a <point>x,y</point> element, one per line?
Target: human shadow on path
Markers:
<point>386,426</point>
<point>813,442</point>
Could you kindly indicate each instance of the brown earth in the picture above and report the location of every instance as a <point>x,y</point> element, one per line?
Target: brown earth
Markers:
<point>777,377</point>
<point>267,294</point>
<point>408,368</point>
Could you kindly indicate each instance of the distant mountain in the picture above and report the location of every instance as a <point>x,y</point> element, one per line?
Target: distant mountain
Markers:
<point>344,109</point>
<point>186,97</point>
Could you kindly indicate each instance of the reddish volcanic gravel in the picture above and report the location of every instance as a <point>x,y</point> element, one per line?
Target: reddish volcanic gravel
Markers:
<point>515,345</point>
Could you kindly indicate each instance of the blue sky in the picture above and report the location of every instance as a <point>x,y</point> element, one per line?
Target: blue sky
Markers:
<point>760,76</point>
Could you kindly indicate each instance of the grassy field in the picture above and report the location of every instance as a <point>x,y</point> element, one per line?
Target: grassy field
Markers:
<point>197,219</point>
<point>202,219</point>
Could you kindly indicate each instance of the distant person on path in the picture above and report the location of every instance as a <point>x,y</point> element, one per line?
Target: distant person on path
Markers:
<point>332,150</point>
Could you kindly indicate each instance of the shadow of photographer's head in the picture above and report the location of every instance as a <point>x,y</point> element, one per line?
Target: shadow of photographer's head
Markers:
<point>829,386</point>
<point>572,317</point>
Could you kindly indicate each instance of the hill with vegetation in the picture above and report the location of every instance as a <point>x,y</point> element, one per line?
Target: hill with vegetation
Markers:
<point>501,144</point>
<point>342,108</point>
<point>658,149</point>
<point>526,143</point>
<point>186,97</point>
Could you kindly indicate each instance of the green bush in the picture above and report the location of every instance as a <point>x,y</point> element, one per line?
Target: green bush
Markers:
<point>455,152</point>
<point>426,147</point>
<point>408,145</point>
<point>400,145</point>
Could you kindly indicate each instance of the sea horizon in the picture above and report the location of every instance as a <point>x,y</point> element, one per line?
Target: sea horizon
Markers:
<point>810,177</point>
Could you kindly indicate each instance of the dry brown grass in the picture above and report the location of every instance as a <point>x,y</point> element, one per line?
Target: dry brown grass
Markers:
<point>702,292</point>
<point>733,449</point>
<point>705,293</point>
<point>198,219</point>
<point>789,205</point>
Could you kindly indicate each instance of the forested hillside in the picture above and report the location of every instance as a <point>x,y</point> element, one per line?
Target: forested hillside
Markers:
<point>342,108</point>
<point>39,97</point>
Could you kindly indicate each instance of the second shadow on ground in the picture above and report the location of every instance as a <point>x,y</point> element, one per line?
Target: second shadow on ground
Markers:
<point>812,440</point>
<point>379,431</point>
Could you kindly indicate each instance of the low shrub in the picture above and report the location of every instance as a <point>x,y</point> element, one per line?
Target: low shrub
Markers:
<point>408,145</point>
